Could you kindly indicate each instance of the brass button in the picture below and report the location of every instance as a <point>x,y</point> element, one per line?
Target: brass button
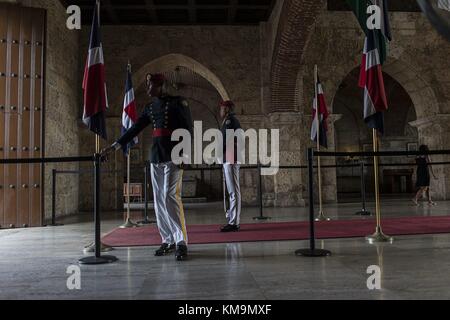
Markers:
<point>2,40</point>
<point>13,149</point>
<point>11,186</point>
<point>25,149</point>
<point>25,186</point>
<point>36,186</point>
<point>26,109</point>
<point>36,149</point>
<point>14,41</point>
<point>38,43</point>
<point>2,74</point>
<point>13,75</point>
<point>37,109</point>
<point>38,76</point>
<point>27,42</point>
<point>13,108</point>
<point>26,76</point>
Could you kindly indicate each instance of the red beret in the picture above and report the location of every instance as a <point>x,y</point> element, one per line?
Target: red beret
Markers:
<point>157,78</point>
<point>227,104</point>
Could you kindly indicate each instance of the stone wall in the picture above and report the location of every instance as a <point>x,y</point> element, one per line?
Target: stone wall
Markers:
<point>62,103</point>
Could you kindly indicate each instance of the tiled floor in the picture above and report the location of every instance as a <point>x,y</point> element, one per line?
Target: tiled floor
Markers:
<point>33,263</point>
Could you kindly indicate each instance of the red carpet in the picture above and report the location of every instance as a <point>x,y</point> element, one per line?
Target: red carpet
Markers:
<point>202,234</point>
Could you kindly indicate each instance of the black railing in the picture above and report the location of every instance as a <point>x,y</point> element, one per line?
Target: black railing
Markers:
<point>96,160</point>
<point>202,169</point>
<point>312,251</point>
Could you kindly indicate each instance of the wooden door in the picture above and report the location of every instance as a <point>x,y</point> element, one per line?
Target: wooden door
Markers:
<point>22,43</point>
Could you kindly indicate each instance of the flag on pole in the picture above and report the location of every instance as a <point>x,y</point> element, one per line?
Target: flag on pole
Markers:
<point>320,105</point>
<point>129,115</point>
<point>94,85</point>
<point>374,56</point>
<point>371,80</point>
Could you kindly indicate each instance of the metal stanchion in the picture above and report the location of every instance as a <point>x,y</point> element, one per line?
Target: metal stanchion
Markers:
<point>146,182</point>
<point>363,211</point>
<point>312,251</point>
<point>54,224</point>
<point>97,258</point>
<point>260,197</point>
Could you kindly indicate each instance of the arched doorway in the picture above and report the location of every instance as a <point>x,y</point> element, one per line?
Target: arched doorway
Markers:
<point>203,90</point>
<point>352,134</point>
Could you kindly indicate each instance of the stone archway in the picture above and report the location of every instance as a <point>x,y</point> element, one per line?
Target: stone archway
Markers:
<point>418,88</point>
<point>353,135</point>
<point>430,124</point>
<point>171,61</point>
<point>203,90</point>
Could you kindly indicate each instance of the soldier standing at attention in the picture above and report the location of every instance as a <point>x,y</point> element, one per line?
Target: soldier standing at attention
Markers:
<point>167,114</point>
<point>231,167</point>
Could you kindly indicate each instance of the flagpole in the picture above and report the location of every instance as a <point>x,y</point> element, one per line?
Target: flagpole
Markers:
<point>321,216</point>
<point>97,143</point>
<point>91,247</point>
<point>378,236</point>
<point>128,223</point>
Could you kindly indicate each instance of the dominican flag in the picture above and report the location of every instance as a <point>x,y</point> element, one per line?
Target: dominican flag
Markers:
<point>94,85</point>
<point>129,115</point>
<point>371,80</point>
<point>320,126</point>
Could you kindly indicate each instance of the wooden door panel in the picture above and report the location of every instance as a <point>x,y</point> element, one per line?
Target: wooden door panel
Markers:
<point>37,116</point>
<point>24,212</point>
<point>3,48</point>
<point>22,43</point>
<point>10,192</point>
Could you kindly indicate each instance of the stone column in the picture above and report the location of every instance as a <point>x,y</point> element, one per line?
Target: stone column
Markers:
<point>329,180</point>
<point>288,185</point>
<point>249,178</point>
<point>434,131</point>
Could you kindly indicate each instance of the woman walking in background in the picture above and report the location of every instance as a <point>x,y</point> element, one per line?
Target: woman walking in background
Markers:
<point>423,176</point>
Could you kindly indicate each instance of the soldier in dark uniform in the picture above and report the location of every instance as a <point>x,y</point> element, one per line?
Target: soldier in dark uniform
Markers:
<point>166,114</point>
<point>231,166</point>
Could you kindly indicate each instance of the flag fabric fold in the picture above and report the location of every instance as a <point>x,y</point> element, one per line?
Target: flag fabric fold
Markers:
<point>383,35</point>
<point>95,101</point>
<point>319,126</point>
<point>129,115</point>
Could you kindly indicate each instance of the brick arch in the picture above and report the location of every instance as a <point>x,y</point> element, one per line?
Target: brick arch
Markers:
<point>294,29</point>
<point>171,61</point>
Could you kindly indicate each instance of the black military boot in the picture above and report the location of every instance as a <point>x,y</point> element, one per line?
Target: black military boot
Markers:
<point>165,249</point>
<point>230,228</point>
<point>181,253</point>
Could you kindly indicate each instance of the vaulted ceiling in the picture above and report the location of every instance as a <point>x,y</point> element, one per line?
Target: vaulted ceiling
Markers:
<point>177,12</point>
